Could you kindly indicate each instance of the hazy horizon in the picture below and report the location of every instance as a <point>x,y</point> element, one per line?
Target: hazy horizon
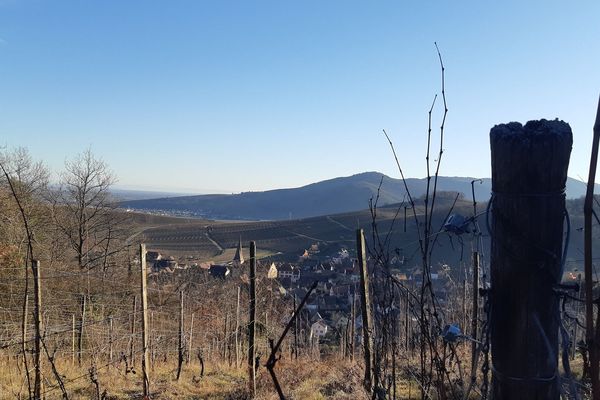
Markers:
<point>191,192</point>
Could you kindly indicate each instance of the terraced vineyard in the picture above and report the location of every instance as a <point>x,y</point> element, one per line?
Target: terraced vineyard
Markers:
<point>189,239</point>
<point>210,240</point>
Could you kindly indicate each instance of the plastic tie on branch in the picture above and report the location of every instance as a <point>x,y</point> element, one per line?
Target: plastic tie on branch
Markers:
<point>457,224</point>
<point>453,334</point>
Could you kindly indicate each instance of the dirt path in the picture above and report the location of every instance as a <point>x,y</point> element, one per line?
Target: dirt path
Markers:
<point>308,237</point>
<point>340,224</point>
<point>221,249</point>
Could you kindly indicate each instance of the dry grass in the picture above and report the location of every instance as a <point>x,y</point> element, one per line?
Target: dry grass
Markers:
<point>305,379</point>
<point>314,380</point>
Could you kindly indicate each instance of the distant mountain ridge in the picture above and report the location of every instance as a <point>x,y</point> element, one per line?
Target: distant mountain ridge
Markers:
<point>332,196</point>
<point>122,194</point>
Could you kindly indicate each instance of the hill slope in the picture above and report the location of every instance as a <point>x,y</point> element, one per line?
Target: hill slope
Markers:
<point>332,196</point>
<point>286,240</point>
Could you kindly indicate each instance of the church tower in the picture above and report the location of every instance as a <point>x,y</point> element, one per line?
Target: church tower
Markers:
<point>238,259</point>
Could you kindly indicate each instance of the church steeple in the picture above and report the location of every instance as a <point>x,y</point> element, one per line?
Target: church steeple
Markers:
<point>238,259</point>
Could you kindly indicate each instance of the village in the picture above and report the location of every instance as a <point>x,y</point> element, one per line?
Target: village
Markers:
<point>328,314</point>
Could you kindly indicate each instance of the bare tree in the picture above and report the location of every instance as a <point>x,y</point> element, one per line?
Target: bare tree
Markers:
<point>24,181</point>
<point>84,210</point>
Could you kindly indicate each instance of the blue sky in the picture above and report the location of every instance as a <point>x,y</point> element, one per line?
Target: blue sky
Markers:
<point>253,95</point>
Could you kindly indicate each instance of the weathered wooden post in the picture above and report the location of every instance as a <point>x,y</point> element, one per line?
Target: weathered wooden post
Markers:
<point>237,330</point>
<point>189,354</point>
<point>24,340</point>
<point>226,337</point>
<point>353,325</point>
<point>80,333</point>
<point>365,302</point>
<point>529,172</point>
<point>180,346</point>
<point>575,333</point>
<point>591,333</point>
<point>152,342</point>
<point>110,338</point>
<point>251,327</point>
<point>73,339</point>
<point>407,322</point>
<point>144,294</point>
<point>474,315</point>
<point>37,320</point>
<point>464,303</point>
<point>132,337</point>
<point>295,331</point>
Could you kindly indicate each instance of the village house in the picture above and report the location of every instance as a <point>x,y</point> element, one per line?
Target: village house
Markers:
<point>341,289</point>
<point>341,256</point>
<point>310,264</point>
<point>304,256</point>
<point>327,266</point>
<point>318,329</point>
<point>219,271</point>
<point>328,303</point>
<point>288,271</point>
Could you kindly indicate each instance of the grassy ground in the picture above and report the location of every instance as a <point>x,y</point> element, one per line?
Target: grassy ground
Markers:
<point>305,379</point>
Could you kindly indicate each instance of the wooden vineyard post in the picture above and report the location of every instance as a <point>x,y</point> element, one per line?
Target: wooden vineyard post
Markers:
<point>295,332</point>
<point>226,337</point>
<point>73,339</point>
<point>365,301</point>
<point>132,337</point>
<point>353,325</point>
<point>474,315</point>
<point>252,325</point>
<point>80,333</point>
<point>407,322</point>
<point>591,333</point>
<point>237,330</point>
<point>343,339</point>
<point>37,320</point>
<point>110,339</point>
<point>529,172</point>
<point>152,344</point>
<point>144,294</point>
<point>464,304</point>
<point>24,340</point>
<point>189,354</point>
<point>180,348</point>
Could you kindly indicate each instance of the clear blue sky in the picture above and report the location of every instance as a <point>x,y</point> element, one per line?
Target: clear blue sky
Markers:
<point>244,95</point>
